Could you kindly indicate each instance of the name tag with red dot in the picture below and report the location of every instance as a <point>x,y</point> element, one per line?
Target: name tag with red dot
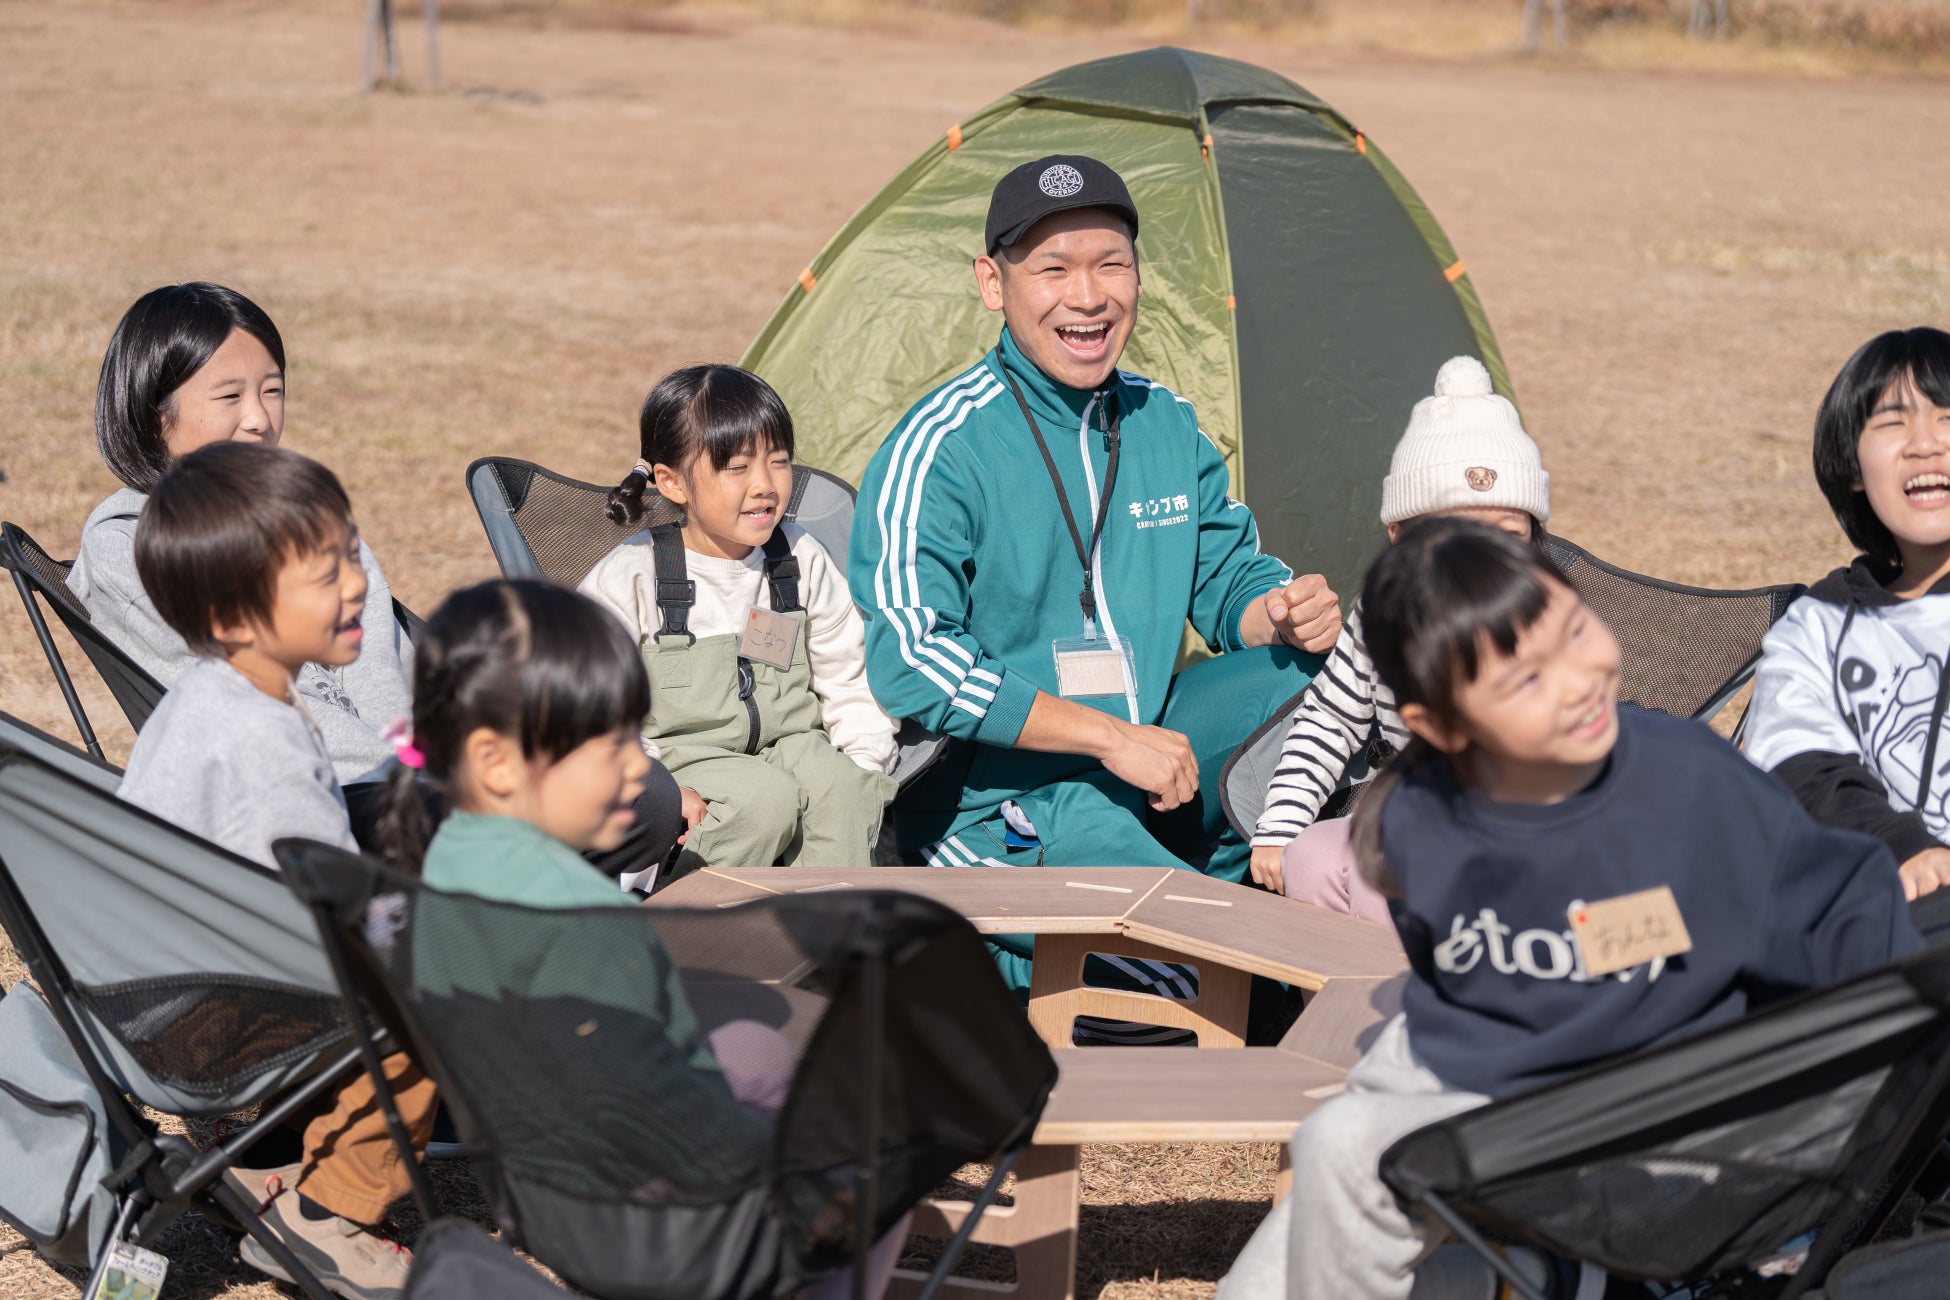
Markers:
<point>1616,934</point>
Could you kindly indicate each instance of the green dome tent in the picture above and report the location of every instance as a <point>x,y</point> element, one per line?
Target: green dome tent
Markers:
<point>1295,288</point>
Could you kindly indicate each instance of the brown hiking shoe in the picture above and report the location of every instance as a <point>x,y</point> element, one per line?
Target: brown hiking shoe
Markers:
<point>352,1261</point>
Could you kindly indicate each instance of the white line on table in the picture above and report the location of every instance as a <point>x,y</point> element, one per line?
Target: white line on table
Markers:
<point>1108,889</point>
<point>814,889</point>
<point>1209,902</point>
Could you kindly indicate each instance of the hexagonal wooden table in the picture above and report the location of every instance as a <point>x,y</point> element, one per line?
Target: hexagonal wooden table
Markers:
<point>1352,970</point>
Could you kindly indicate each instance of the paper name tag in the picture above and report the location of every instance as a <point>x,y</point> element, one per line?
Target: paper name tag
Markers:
<point>1617,934</point>
<point>1089,672</point>
<point>769,638</point>
<point>131,1273</point>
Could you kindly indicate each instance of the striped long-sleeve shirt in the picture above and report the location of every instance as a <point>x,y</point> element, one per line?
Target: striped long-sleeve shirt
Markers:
<point>1340,710</point>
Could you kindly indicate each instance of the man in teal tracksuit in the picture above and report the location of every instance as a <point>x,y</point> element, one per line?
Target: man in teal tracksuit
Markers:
<point>1028,544</point>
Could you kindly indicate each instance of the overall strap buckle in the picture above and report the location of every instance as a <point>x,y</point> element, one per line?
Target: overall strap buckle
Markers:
<point>676,593</point>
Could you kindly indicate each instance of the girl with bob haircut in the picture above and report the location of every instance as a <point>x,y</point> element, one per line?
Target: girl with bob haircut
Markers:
<point>188,366</point>
<point>1524,794</point>
<point>1850,696</point>
<point>756,654</point>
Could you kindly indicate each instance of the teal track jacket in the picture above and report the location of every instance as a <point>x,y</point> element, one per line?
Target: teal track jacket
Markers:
<point>966,573</point>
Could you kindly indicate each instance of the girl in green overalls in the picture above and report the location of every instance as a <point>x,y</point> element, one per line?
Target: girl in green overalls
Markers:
<point>757,657</point>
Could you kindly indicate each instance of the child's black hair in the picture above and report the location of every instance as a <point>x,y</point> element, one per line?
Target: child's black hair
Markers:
<point>220,525</point>
<point>719,411</point>
<point>164,337</point>
<point>1920,356</point>
<point>537,662</point>
<point>1427,604</point>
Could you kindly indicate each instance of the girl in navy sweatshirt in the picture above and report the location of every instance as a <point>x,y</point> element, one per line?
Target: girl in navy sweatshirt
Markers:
<point>1525,794</point>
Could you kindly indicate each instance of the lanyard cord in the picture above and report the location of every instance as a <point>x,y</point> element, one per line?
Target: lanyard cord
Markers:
<point>1087,601</point>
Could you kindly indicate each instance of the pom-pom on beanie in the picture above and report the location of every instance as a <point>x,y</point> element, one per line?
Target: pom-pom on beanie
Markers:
<point>1464,447</point>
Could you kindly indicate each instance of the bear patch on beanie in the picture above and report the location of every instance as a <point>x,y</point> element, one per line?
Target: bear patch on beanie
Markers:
<point>1465,447</point>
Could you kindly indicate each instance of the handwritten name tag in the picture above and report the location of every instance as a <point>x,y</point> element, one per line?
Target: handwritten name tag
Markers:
<point>1617,934</point>
<point>769,639</point>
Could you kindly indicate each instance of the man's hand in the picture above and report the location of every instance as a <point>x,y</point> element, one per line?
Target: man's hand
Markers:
<point>1267,860</point>
<point>694,810</point>
<point>1925,873</point>
<point>1306,614</point>
<point>1156,761</point>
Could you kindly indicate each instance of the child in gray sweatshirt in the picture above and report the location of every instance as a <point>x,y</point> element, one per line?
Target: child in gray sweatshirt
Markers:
<point>192,364</point>
<point>250,556</point>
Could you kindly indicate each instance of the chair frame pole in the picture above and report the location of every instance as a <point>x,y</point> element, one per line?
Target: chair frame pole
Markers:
<point>1474,1240</point>
<point>369,1036</point>
<point>873,1025</point>
<point>61,678</point>
<point>951,1254</point>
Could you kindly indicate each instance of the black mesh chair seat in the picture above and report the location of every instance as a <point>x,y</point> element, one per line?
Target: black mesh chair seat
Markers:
<point>678,1103</point>
<point>1709,1155</point>
<point>38,577</point>
<point>1683,650</point>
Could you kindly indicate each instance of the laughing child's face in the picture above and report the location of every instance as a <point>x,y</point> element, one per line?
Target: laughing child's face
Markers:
<point>729,511</point>
<point>315,615</point>
<point>1904,455</point>
<point>587,798</point>
<point>1536,725</point>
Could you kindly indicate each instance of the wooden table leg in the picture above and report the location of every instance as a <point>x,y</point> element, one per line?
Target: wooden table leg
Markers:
<point>1041,1227</point>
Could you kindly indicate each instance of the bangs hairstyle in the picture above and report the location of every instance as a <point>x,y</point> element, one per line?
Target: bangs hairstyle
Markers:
<point>1429,606</point>
<point>222,523</point>
<point>716,411</point>
<point>1898,358</point>
<point>534,661</point>
<point>164,338</point>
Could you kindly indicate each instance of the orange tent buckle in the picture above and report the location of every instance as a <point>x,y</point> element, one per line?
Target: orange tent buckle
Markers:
<point>1454,273</point>
<point>954,136</point>
<point>807,280</point>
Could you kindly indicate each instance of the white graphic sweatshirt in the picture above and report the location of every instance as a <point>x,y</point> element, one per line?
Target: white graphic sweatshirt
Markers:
<point>1849,703</point>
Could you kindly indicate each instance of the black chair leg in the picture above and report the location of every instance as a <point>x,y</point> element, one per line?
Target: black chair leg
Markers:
<point>61,678</point>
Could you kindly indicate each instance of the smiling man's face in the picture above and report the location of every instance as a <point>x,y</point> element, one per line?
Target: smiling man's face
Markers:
<point>1068,290</point>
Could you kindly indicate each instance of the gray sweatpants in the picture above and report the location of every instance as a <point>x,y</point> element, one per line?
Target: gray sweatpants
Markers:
<point>1342,1235</point>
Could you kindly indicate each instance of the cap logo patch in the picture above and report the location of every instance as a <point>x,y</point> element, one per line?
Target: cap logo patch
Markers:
<point>1060,181</point>
<point>1481,477</point>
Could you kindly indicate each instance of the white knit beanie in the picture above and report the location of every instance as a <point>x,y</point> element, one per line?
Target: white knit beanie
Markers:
<point>1464,447</point>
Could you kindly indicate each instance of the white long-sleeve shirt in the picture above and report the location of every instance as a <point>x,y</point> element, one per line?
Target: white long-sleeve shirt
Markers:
<point>1336,714</point>
<point>625,581</point>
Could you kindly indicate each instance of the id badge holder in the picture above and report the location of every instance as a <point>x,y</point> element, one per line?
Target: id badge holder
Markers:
<point>1094,664</point>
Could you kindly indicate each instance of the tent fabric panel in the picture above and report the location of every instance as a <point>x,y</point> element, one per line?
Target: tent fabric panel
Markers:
<point>1167,81</point>
<point>1445,253</point>
<point>1344,316</point>
<point>869,212</point>
<point>894,311</point>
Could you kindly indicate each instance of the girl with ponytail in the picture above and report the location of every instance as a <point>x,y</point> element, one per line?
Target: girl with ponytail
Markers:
<point>527,700</point>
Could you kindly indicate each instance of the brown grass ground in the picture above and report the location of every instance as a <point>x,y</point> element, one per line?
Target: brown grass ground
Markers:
<point>1676,263</point>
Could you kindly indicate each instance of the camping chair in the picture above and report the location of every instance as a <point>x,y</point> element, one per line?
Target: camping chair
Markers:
<point>892,1053</point>
<point>38,574</point>
<point>1708,1156</point>
<point>544,525</point>
<point>1685,650</point>
<point>180,978</point>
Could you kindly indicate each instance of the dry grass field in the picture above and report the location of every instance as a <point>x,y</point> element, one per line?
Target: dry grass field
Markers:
<point>1675,261</point>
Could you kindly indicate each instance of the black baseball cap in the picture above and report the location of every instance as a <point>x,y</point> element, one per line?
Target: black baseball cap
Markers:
<point>1061,182</point>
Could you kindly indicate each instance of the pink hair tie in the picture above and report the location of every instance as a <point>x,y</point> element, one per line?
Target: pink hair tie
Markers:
<point>399,734</point>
